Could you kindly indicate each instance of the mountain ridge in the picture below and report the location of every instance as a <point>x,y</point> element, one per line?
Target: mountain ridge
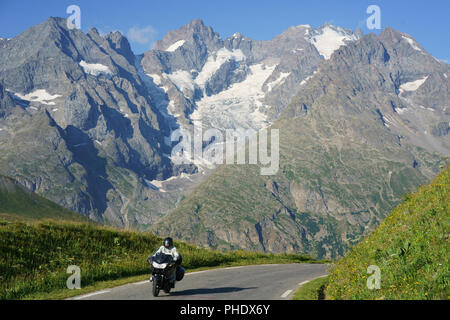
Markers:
<point>19,203</point>
<point>87,123</point>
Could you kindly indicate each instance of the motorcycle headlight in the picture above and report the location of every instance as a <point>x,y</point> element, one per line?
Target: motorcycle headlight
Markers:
<point>159,265</point>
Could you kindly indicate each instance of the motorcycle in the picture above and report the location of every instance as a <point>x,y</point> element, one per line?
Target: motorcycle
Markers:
<point>163,267</point>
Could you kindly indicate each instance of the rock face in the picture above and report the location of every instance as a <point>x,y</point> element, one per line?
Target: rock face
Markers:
<point>6,103</point>
<point>87,124</point>
<point>353,140</point>
<point>409,88</point>
<point>83,131</point>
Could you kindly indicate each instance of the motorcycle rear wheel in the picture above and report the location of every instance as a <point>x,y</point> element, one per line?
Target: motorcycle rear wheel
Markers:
<point>167,287</point>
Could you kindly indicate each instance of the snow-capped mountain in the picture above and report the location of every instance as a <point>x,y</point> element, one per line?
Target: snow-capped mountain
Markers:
<point>238,82</point>
<point>86,122</point>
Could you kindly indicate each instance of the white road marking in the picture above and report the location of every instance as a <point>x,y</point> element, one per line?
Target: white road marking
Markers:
<point>91,294</point>
<point>141,282</point>
<point>229,268</point>
<point>302,283</point>
<point>288,292</point>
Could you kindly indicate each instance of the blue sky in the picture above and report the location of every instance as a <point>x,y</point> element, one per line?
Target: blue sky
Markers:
<point>144,22</point>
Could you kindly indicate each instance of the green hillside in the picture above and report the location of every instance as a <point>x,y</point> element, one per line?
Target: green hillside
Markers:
<point>16,202</point>
<point>411,248</point>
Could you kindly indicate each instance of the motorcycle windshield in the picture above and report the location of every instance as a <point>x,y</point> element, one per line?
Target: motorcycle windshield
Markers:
<point>162,258</point>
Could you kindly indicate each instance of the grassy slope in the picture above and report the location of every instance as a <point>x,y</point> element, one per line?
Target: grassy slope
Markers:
<point>18,203</point>
<point>313,290</point>
<point>34,256</point>
<point>411,247</point>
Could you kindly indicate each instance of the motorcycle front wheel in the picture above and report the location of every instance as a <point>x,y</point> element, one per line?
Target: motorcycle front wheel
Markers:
<point>155,289</point>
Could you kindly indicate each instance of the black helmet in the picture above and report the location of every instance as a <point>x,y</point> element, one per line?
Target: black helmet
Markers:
<point>168,242</point>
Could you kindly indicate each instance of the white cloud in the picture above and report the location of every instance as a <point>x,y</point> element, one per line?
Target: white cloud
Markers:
<point>144,35</point>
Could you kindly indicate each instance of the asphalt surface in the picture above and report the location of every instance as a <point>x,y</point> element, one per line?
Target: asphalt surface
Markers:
<point>265,282</point>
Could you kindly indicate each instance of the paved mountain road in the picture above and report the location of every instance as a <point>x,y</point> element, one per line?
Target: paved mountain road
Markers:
<point>271,282</point>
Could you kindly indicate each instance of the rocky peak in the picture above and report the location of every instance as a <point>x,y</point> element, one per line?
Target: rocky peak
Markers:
<point>239,41</point>
<point>196,25</point>
<point>391,35</point>
<point>292,37</point>
<point>51,28</point>
<point>402,43</point>
<point>54,22</point>
<point>94,32</point>
<point>120,43</point>
<point>234,40</point>
<point>194,32</point>
<point>328,38</point>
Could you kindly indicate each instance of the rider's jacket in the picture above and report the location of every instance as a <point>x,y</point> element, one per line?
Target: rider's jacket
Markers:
<point>171,251</point>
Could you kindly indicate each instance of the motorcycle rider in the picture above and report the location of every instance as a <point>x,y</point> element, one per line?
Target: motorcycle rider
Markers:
<point>169,249</point>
